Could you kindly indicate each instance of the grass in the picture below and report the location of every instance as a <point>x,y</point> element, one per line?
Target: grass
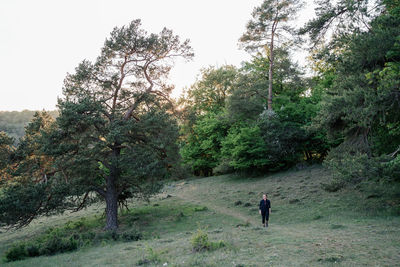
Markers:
<point>320,228</point>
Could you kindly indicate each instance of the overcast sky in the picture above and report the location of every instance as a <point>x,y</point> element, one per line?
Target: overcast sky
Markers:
<point>42,40</point>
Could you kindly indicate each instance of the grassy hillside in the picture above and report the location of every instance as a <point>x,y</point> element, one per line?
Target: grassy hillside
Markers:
<point>308,226</point>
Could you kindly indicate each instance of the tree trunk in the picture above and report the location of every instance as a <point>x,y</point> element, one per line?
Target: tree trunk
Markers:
<point>271,67</point>
<point>112,194</point>
<point>111,205</point>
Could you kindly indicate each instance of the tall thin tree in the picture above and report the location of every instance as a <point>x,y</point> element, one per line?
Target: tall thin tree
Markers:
<point>270,25</point>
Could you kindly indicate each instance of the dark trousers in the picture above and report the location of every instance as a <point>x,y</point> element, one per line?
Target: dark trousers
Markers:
<point>264,216</point>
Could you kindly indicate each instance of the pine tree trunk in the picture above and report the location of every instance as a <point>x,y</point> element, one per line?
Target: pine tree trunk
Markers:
<point>111,205</point>
<point>112,194</point>
<point>271,67</point>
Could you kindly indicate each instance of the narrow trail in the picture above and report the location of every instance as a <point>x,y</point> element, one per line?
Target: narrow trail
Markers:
<point>187,195</point>
<point>217,208</point>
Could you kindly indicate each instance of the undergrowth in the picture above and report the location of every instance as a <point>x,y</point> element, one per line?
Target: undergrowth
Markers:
<point>69,237</point>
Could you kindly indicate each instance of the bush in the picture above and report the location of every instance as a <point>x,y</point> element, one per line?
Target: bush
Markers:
<point>353,168</point>
<point>217,245</point>
<point>152,257</point>
<point>358,167</point>
<point>200,242</point>
<point>33,250</point>
<point>333,186</point>
<point>68,238</point>
<point>132,235</point>
<point>17,252</point>
<point>392,169</point>
<point>204,208</point>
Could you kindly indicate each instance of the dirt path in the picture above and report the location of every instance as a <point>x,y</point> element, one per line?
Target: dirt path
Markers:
<point>187,195</point>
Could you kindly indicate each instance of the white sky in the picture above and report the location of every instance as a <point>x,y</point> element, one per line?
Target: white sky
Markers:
<point>42,40</point>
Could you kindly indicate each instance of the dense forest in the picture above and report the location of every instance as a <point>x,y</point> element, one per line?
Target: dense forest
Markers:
<point>345,115</point>
<point>119,134</point>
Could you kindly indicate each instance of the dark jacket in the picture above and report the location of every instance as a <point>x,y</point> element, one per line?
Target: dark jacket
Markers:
<point>265,205</point>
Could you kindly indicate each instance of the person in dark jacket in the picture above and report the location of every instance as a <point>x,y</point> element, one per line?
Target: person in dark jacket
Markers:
<point>265,210</point>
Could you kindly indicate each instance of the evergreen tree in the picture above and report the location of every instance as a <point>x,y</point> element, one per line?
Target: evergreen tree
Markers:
<point>270,24</point>
<point>115,137</point>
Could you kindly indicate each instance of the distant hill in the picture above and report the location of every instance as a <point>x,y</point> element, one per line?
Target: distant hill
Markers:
<point>14,122</point>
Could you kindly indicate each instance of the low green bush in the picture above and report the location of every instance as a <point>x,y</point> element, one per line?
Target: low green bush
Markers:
<point>131,235</point>
<point>333,186</point>
<point>17,252</point>
<point>200,242</point>
<point>204,208</point>
<point>70,237</point>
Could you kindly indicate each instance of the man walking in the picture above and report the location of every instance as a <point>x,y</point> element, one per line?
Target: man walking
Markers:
<point>265,210</point>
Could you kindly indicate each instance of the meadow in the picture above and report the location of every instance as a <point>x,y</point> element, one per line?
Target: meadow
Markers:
<point>308,225</point>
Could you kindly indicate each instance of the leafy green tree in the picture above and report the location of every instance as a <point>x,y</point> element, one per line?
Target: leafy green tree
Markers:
<point>209,93</point>
<point>270,24</point>
<point>115,137</point>
<point>202,147</point>
<point>245,149</point>
<point>203,124</point>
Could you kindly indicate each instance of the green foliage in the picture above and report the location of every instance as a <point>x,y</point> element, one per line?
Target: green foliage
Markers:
<point>115,136</point>
<point>16,253</point>
<point>51,244</point>
<point>392,169</point>
<point>333,185</point>
<point>271,17</point>
<point>209,93</point>
<point>200,241</point>
<point>241,137</point>
<point>72,236</point>
<point>6,149</point>
<point>343,16</point>
<point>14,122</point>
<point>245,149</point>
<point>152,256</point>
<point>353,168</point>
<point>360,105</point>
<point>202,147</point>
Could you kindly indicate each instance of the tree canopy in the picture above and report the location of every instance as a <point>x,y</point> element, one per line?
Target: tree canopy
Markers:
<point>114,138</point>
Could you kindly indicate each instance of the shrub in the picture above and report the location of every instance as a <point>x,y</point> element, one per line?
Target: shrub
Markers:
<point>152,257</point>
<point>200,241</point>
<point>333,186</point>
<point>131,235</point>
<point>204,208</point>
<point>217,245</point>
<point>353,167</point>
<point>238,203</point>
<point>17,252</point>
<point>33,250</point>
<point>67,238</point>
<point>392,169</point>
